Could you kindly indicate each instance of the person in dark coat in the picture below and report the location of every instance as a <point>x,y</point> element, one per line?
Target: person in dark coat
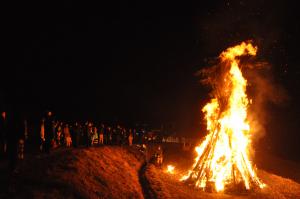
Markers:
<point>118,135</point>
<point>90,134</point>
<point>86,134</point>
<point>114,136</point>
<point>75,133</point>
<point>48,131</point>
<point>109,135</point>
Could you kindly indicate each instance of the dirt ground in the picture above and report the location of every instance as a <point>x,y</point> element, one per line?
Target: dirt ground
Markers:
<point>122,172</point>
<point>167,185</point>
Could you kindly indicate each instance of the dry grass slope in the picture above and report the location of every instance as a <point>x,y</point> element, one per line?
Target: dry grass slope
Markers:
<point>105,172</point>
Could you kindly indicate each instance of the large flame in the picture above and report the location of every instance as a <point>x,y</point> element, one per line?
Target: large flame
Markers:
<point>223,156</point>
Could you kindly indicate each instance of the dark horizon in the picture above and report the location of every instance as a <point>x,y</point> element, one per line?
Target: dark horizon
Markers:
<point>125,62</point>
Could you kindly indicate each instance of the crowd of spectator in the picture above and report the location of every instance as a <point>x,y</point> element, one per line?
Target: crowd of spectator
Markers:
<point>19,136</point>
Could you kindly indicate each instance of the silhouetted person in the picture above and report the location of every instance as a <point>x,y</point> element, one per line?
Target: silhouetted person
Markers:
<point>53,141</point>
<point>123,136</point>
<point>114,136</point>
<point>22,134</point>
<point>105,135</point>
<point>118,135</point>
<point>90,134</point>
<point>48,131</point>
<point>42,135</point>
<point>3,133</point>
<point>101,134</point>
<point>140,136</point>
<point>130,138</point>
<point>59,133</point>
<point>75,133</point>
<point>109,135</point>
<point>81,130</point>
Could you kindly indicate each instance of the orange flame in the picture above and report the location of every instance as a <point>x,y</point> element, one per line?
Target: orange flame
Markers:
<point>170,169</point>
<point>223,157</point>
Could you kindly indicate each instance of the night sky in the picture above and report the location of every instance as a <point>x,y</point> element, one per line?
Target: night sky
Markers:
<point>136,62</point>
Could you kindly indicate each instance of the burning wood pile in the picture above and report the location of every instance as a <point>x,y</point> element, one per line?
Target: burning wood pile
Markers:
<point>223,162</point>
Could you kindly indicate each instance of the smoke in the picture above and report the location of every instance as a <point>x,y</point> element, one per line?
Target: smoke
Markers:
<point>263,91</point>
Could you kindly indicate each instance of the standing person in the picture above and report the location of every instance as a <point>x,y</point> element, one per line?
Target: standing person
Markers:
<point>81,134</point>
<point>101,134</point>
<point>118,135</point>
<point>109,135</point>
<point>75,135</point>
<point>26,134</point>
<point>114,135</point>
<point>105,135</point>
<point>130,138</point>
<point>159,156</point>
<point>134,133</point>
<point>3,133</point>
<point>67,135</point>
<point>59,133</point>
<point>123,136</point>
<point>90,134</point>
<point>42,135</point>
<point>21,139</point>
<point>48,131</point>
<point>140,136</point>
<point>95,137</point>
<point>53,141</point>
<point>72,134</point>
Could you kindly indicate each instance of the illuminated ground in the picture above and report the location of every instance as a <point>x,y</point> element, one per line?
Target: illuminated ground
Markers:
<point>116,172</point>
<point>104,172</point>
<point>278,187</point>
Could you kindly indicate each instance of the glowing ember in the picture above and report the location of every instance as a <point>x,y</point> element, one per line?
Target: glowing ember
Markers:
<point>223,157</point>
<point>170,169</point>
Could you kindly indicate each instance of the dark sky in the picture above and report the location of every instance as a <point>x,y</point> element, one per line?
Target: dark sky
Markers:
<point>136,62</point>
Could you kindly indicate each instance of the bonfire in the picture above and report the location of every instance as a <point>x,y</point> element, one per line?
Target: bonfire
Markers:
<point>224,160</point>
